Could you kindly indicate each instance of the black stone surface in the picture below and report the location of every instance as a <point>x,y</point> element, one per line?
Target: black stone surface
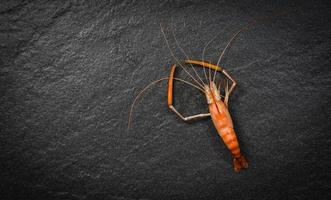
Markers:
<point>70,71</point>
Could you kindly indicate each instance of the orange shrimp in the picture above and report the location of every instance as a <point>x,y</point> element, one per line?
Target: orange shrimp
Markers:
<point>218,108</point>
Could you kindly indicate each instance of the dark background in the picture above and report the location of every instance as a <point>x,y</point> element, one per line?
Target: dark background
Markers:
<point>71,69</point>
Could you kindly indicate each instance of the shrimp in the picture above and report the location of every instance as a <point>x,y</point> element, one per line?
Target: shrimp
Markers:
<point>218,111</point>
<point>217,104</point>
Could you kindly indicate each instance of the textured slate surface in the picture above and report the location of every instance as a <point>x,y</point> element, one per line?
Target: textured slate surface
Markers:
<point>70,71</point>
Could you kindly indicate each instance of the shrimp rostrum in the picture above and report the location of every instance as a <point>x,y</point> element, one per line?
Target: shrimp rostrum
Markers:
<point>217,103</point>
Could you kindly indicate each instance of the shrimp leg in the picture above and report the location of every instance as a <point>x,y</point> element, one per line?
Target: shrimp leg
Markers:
<point>170,100</point>
<point>227,90</point>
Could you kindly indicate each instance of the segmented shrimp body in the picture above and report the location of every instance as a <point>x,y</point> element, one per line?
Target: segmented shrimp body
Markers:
<point>223,123</point>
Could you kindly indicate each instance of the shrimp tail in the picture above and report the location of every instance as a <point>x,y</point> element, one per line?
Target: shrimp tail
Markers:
<point>239,163</point>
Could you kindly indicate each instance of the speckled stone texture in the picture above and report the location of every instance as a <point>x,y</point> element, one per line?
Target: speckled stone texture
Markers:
<point>71,69</point>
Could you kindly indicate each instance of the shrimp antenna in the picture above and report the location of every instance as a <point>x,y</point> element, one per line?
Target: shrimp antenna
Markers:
<point>173,55</point>
<point>139,94</point>
<point>202,58</point>
<point>150,85</point>
<point>204,50</point>
<point>228,44</point>
<point>182,50</point>
<point>258,19</point>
